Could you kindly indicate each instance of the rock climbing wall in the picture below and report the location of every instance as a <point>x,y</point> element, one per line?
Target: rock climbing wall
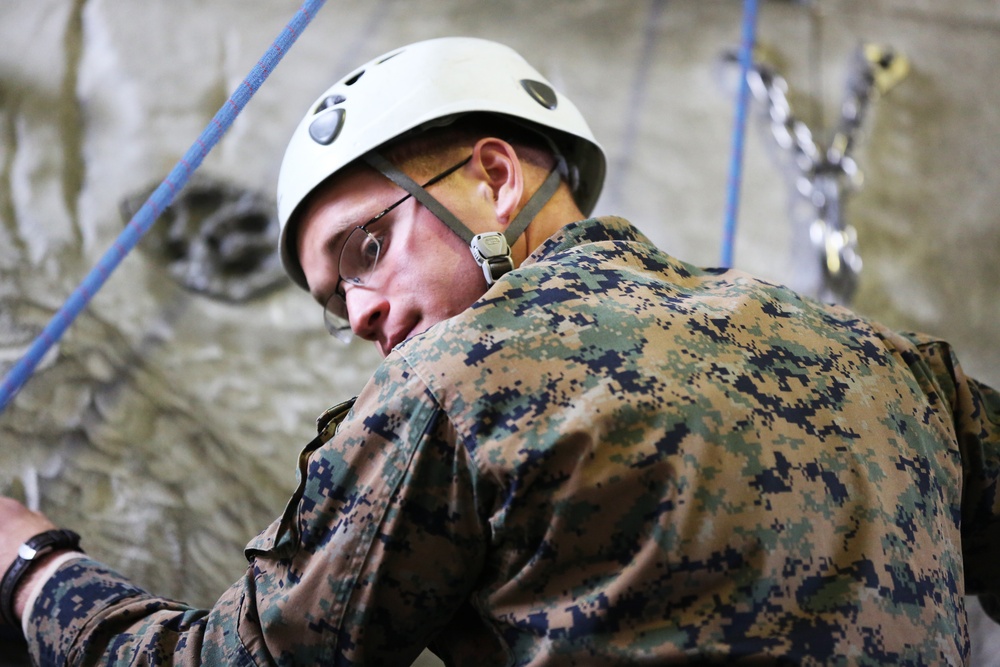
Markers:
<point>165,424</point>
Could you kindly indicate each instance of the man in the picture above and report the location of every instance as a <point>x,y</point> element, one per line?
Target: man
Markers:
<point>578,450</point>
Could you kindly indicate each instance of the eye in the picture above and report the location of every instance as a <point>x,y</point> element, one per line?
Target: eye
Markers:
<point>370,248</point>
<point>358,256</point>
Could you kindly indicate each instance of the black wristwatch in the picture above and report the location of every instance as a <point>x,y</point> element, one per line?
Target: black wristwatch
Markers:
<point>29,554</point>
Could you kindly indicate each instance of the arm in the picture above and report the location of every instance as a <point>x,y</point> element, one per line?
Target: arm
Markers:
<point>975,412</point>
<point>19,525</point>
<point>977,423</point>
<point>378,548</point>
<point>390,510</point>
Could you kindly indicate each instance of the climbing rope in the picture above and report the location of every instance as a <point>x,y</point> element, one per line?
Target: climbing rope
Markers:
<point>144,218</point>
<point>739,131</point>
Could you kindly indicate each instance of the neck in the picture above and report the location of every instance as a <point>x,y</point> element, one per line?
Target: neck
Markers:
<point>561,210</point>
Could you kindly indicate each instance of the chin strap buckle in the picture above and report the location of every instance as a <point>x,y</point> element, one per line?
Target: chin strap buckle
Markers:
<point>492,252</point>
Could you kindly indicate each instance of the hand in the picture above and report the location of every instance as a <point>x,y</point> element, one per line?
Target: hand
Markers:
<point>17,525</point>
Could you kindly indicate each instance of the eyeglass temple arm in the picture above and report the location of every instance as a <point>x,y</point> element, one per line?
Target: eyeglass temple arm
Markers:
<point>396,175</point>
<point>493,266</point>
<point>514,230</point>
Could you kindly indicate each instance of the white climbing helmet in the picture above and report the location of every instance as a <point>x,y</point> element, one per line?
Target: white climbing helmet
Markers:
<point>424,85</point>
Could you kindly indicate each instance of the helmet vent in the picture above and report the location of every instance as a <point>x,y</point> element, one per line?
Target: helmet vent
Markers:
<point>354,79</point>
<point>330,101</point>
<point>541,93</point>
<point>326,126</point>
<point>389,57</point>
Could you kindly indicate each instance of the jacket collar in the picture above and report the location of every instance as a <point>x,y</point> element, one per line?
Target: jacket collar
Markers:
<point>592,230</point>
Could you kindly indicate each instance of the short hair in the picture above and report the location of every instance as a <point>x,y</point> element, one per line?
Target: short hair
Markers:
<point>428,147</point>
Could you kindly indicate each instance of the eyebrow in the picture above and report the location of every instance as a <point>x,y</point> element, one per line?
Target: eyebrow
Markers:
<point>355,220</point>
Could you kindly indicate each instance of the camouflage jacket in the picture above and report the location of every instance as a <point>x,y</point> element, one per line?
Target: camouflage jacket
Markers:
<point>611,458</point>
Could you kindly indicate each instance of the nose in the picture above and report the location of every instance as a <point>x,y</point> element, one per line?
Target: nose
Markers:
<point>367,310</point>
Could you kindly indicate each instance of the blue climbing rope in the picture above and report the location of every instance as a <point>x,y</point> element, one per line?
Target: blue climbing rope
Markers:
<point>144,218</point>
<point>739,132</point>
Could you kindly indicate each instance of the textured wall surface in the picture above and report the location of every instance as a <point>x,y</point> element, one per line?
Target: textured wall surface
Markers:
<point>165,424</point>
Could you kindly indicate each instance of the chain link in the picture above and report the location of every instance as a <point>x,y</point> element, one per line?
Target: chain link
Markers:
<point>823,172</point>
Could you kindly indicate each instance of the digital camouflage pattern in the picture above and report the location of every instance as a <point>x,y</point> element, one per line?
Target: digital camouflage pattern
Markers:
<point>611,458</point>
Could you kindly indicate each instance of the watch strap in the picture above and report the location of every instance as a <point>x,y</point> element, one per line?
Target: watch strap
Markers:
<point>28,554</point>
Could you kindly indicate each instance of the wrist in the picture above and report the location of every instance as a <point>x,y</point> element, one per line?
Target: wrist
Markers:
<point>36,576</point>
<point>30,568</point>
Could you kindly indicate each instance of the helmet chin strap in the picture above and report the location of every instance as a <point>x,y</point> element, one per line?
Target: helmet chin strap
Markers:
<point>491,249</point>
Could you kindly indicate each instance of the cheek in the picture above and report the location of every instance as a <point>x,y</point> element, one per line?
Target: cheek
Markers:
<point>458,275</point>
<point>451,280</point>
<point>438,269</point>
<point>431,249</point>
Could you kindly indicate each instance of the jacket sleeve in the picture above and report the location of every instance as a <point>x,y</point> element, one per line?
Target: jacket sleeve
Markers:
<point>977,422</point>
<point>975,413</point>
<point>377,549</point>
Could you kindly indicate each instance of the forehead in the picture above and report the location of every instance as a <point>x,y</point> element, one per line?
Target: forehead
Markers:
<point>340,204</point>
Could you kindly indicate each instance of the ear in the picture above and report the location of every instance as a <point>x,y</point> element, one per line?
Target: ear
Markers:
<point>502,176</point>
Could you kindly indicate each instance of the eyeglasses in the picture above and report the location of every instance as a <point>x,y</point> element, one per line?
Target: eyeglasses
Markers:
<point>357,262</point>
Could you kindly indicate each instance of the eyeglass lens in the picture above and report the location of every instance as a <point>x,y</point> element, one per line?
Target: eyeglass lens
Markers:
<point>358,259</point>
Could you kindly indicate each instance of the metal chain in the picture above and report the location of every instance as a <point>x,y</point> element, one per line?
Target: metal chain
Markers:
<point>822,173</point>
